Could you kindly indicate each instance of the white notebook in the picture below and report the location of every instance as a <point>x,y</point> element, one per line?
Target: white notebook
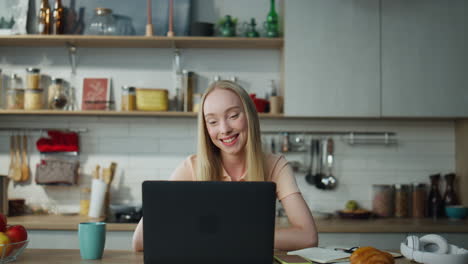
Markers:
<point>322,255</point>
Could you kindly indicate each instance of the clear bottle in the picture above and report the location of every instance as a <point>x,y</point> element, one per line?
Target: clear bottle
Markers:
<point>102,23</point>
<point>43,24</point>
<point>58,18</point>
<point>56,84</point>
<point>178,81</point>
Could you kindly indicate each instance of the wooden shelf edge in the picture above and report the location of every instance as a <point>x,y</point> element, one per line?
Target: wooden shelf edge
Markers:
<point>192,114</point>
<point>140,41</point>
<point>111,113</point>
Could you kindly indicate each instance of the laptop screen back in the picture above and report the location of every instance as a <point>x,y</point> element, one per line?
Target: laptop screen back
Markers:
<point>208,222</point>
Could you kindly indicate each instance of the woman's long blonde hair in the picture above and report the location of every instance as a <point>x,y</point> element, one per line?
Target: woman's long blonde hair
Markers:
<point>208,163</point>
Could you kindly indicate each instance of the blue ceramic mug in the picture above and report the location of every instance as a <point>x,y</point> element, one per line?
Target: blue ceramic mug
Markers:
<point>92,237</point>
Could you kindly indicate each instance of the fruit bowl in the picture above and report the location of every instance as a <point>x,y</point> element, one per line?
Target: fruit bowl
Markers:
<point>9,252</point>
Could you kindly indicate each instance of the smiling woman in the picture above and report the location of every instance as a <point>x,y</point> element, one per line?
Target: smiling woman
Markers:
<point>230,149</point>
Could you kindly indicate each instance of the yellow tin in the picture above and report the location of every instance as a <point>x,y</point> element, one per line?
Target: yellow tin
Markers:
<point>152,99</point>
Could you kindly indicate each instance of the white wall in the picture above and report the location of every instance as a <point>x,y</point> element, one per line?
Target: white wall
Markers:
<point>149,148</point>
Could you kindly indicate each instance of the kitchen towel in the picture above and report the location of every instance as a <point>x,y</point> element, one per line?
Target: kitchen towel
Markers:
<point>57,172</point>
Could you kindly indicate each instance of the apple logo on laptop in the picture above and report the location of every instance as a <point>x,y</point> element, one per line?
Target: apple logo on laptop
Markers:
<point>209,224</point>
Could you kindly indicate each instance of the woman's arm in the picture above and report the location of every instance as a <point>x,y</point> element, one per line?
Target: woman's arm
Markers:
<point>137,242</point>
<point>302,233</point>
<point>183,172</point>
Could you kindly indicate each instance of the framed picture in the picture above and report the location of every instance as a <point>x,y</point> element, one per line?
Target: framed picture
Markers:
<point>13,16</point>
<point>96,94</point>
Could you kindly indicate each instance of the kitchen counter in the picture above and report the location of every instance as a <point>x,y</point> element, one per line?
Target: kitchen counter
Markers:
<point>71,256</point>
<point>334,225</point>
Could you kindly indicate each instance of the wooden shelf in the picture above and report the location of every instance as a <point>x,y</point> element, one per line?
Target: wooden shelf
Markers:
<point>111,113</point>
<point>140,42</point>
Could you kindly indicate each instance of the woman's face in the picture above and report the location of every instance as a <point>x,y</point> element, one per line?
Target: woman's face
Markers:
<point>226,121</point>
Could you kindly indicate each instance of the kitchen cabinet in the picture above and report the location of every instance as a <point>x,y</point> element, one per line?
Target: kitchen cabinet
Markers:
<point>424,58</point>
<point>332,58</point>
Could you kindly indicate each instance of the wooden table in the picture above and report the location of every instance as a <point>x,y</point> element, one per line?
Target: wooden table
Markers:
<point>72,256</point>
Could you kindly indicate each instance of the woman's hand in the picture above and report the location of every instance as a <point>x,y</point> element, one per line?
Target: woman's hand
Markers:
<point>137,242</point>
<point>302,233</point>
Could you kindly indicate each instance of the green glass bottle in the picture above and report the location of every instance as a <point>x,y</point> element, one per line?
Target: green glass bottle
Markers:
<point>272,25</point>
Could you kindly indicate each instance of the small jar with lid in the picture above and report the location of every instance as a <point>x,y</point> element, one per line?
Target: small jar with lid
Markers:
<point>33,99</point>
<point>15,99</point>
<point>57,98</point>
<point>33,78</point>
<point>402,200</point>
<point>382,200</point>
<point>128,98</point>
<point>418,200</point>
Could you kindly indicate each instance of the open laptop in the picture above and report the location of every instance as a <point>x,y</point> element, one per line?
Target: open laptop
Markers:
<point>208,222</point>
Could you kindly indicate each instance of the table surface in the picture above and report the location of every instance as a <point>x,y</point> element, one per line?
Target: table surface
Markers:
<point>335,225</point>
<point>72,256</point>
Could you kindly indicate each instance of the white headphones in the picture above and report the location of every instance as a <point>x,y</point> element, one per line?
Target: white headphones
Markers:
<point>433,249</point>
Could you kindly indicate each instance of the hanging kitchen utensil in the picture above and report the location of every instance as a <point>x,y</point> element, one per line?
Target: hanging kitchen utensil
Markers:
<point>11,169</point>
<point>319,175</point>
<point>25,173</point>
<point>17,167</point>
<point>309,177</point>
<point>329,181</point>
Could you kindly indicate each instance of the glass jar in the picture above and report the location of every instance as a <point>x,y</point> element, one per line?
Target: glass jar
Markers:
<point>33,78</point>
<point>85,195</point>
<point>418,200</point>
<point>57,98</point>
<point>401,200</point>
<point>15,99</point>
<point>128,98</point>
<point>382,200</point>
<point>102,23</point>
<point>15,82</point>
<point>33,99</point>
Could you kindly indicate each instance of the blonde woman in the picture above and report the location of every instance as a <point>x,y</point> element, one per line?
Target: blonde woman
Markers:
<point>230,149</point>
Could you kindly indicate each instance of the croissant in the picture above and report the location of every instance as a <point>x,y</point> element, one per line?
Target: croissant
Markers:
<point>371,255</point>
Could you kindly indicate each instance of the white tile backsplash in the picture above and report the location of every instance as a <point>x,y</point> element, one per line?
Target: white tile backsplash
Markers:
<point>150,148</point>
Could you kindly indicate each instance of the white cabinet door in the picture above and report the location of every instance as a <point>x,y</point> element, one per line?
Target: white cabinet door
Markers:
<point>332,58</point>
<point>424,58</point>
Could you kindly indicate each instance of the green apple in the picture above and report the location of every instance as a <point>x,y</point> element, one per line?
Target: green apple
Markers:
<point>352,205</point>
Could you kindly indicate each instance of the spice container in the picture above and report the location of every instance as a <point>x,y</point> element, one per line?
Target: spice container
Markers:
<point>33,78</point>
<point>56,95</point>
<point>33,99</point>
<point>382,200</point>
<point>418,200</point>
<point>401,200</point>
<point>15,99</point>
<point>84,201</point>
<point>189,83</point>
<point>435,205</point>
<point>128,98</point>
